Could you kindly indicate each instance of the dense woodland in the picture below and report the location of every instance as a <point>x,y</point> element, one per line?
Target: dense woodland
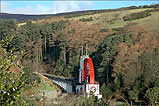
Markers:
<point>126,59</point>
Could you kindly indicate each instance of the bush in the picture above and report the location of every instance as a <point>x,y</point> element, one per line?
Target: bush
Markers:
<point>30,76</point>
<point>12,86</point>
<point>11,83</point>
<point>138,15</point>
<point>86,19</point>
<point>104,30</point>
<point>133,94</point>
<point>106,91</point>
<point>153,95</point>
<point>92,101</point>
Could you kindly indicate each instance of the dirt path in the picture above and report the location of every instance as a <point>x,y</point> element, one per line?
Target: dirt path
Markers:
<point>21,24</point>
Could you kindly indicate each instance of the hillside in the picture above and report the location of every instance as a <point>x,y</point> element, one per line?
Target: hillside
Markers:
<point>24,17</point>
<point>123,44</point>
<point>114,19</point>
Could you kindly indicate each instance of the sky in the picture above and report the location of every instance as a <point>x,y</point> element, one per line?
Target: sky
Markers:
<point>53,7</point>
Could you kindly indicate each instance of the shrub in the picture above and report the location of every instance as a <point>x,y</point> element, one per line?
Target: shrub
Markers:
<point>11,84</point>
<point>142,14</point>
<point>134,94</point>
<point>138,15</point>
<point>86,19</point>
<point>106,91</point>
<point>153,95</point>
<point>104,30</point>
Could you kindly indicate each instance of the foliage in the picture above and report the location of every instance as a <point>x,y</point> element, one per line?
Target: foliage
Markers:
<point>7,28</point>
<point>30,43</point>
<point>142,14</point>
<point>86,19</point>
<point>25,101</point>
<point>93,101</point>
<point>128,70</point>
<point>125,59</point>
<point>92,12</point>
<point>153,95</point>
<point>11,83</point>
<point>104,57</point>
<point>118,83</point>
<point>12,86</point>
<point>106,91</point>
<point>30,76</point>
<point>104,30</point>
<point>134,94</point>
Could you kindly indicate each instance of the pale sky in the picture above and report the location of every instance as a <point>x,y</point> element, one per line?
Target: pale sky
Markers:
<point>53,7</point>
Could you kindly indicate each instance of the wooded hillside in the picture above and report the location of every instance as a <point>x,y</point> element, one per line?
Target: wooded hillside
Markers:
<point>122,43</point>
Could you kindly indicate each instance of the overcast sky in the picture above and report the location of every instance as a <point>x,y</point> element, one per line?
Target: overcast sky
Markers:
<point>53,7</point>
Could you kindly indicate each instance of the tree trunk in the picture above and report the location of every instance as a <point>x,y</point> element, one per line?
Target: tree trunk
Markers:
<point>45,44</point>
<point>64,55</point>
<point>41,54</point>
<point>49,48</point>
<point>107,78</point>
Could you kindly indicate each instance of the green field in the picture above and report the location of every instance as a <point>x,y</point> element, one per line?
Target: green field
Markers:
<point>44,85</point>
<point>105,19</point>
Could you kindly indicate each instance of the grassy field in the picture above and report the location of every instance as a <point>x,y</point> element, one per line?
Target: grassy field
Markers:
<point>114,19</point>
<point>103,17</point>
<point>44,85</point>
<point>109,13</point>
<point>151,22</point>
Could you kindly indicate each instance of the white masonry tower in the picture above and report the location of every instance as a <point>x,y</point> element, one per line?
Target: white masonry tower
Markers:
<point>87,82</point>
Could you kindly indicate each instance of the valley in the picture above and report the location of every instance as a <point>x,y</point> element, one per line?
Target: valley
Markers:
<point>40,59</point>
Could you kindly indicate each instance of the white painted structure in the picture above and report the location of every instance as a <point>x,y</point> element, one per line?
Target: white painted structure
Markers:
<point>81,66</point>
<point>94,88</point>
<point>64,83</point>
<point>86,86</point>
<point>80,88</point>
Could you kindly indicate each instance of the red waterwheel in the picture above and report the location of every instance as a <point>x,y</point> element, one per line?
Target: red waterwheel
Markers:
<point>88,71</point>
